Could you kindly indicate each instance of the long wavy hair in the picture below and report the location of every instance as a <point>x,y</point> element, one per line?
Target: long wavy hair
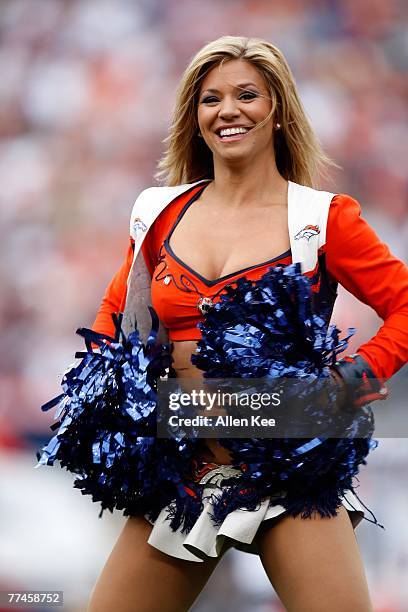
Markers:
<point>298,152</point>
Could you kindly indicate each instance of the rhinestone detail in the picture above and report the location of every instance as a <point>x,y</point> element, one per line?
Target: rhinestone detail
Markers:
<point>204,304</point>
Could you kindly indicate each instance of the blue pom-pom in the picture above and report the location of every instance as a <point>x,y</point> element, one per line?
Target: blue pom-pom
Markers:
<point>107,426</point>
<point>267,329</point>
<point>107,415</point>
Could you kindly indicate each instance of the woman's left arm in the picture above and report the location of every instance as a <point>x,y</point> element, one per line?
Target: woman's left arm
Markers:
<point>364,265</point>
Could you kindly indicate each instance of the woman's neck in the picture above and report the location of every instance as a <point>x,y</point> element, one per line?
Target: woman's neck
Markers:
<point>245,186</point>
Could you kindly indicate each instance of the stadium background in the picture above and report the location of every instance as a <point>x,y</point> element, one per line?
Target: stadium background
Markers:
<point>86,93</point>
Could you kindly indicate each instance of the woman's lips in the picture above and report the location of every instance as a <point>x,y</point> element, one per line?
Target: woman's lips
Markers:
<point>233,138</point>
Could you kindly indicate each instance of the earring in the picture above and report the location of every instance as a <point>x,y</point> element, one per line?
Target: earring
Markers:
<point>199,134</point>
<point>277,127</point>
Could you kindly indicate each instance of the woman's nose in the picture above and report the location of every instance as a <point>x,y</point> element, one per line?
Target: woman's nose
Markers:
<point>228,108</point>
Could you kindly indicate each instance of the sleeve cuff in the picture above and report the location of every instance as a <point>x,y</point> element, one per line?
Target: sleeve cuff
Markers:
<point>361,383</point>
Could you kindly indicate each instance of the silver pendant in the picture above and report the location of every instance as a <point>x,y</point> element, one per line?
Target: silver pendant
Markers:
<point>204,304</point>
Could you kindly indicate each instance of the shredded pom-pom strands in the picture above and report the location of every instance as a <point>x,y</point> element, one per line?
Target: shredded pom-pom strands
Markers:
<point>267,329</point>
<point>107,415</point>
<point>107,426</point>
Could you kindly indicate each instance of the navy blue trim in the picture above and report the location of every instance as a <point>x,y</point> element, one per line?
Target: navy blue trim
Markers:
<point>330,285</point>
<point>184,209</point>
<point>206,281</point>
<point>179,196</point>
<point>358,376</point>
<point>355,368</point>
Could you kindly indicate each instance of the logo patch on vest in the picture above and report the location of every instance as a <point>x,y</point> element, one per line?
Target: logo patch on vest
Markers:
<point>308,232</point>
<point>138,226</point>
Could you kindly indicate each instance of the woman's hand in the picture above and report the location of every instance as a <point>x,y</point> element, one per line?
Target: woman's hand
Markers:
<point>341,388</point>
<point>359,382</point>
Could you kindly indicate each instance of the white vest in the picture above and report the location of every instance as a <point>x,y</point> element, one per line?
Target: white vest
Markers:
<point>308,211</point>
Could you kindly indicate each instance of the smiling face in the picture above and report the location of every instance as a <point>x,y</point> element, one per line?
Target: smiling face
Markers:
<point>235,96</point>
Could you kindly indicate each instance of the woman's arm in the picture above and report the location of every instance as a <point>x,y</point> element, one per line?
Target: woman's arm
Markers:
<point>358,260</point>
<point>114,299</point>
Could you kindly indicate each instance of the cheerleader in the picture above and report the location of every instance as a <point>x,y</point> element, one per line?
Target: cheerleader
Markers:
<point>238,199</point>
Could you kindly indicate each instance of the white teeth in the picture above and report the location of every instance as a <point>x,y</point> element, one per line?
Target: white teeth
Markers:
<point>231,131</point>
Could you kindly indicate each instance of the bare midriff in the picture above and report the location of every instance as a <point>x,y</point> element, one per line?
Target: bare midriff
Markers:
<point>209,449</point>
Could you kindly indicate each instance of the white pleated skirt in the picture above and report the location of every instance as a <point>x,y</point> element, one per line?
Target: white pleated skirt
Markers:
<point>238,529</point>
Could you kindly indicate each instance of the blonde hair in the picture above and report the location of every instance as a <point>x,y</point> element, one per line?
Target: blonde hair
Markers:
<point>298,152</point>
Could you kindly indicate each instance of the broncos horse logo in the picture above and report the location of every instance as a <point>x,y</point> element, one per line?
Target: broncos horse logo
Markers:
<point>138,226</point>
<point>307,232</point>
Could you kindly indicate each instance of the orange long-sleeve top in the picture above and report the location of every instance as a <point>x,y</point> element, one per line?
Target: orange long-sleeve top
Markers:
<point>354,255</point>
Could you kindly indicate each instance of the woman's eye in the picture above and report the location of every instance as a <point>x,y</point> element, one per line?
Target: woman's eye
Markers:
<point>211,99</point>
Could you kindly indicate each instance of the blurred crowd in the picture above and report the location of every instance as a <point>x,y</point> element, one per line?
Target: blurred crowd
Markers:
<point>86,93</point>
